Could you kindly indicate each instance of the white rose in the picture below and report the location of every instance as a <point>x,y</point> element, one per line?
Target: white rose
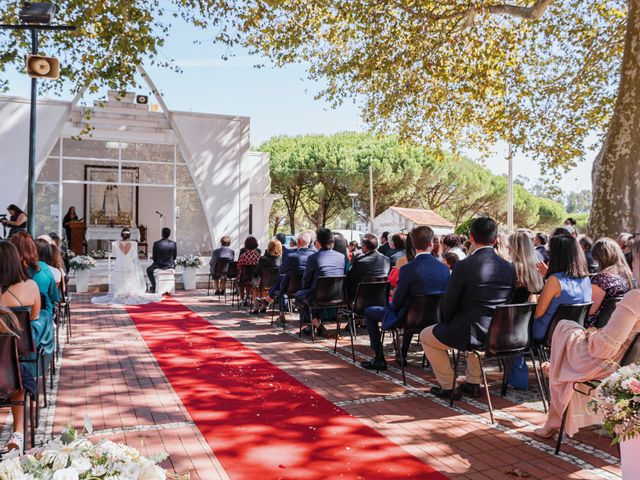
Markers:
<point>150,471</point>
<point>81,464</point>
<point>11,470</point>
<point>66,474</point>
<point>130,471</point>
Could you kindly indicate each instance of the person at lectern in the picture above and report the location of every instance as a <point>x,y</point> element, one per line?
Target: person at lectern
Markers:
<point>17,221</point>
<point>66,221</point>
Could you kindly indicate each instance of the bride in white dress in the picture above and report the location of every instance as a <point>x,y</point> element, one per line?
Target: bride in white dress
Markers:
<point>127,285</point>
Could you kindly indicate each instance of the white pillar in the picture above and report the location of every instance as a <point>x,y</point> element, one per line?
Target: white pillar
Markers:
<point>510,191</point>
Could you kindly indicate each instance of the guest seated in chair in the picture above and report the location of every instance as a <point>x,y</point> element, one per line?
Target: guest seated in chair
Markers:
<point>294,263</point>
<point>249,255</point>
<point>369,264</point>
<point>580,355</point>
<point>223,252</point>
<point>272,258</point>
<point>422,275</point>
<point>479,283</point>
<point>326,262</point>
<point>164,255</point>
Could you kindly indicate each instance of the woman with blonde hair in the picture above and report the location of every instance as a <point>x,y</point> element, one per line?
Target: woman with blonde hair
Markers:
<point>529,281</point>
<point>614,278</point>
<point>271,259</point>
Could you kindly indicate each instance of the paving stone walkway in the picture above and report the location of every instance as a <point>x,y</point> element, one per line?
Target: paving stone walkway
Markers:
<point>108,374</point>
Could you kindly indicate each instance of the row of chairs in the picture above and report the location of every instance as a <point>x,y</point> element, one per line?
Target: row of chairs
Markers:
<point>20,348</point>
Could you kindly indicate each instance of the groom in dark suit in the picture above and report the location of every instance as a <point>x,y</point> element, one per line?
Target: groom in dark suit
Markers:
<point>164,256</point>
<point>479,283</point>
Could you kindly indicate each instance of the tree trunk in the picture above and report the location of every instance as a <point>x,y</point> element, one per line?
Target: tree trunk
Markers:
<point>292,221</point>
<point>616,169</point>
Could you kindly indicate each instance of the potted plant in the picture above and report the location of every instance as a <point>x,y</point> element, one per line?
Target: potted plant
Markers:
<point>81,265</point>
<point>190,264</point>
<point>617,398</point>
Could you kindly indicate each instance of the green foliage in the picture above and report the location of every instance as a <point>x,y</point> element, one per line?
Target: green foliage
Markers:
<point>550,213</point>
<point>582,221</point>
<point>315,174</point>
<point>465,227</point>
<point>112,38</point>
<point>457,74</point>
<point>579,202</point>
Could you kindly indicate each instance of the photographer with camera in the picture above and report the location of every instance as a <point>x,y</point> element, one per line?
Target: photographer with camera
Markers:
<point>17,221</point>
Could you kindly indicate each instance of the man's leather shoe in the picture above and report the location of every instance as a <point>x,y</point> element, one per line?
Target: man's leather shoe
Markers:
<point>321,330</point>
<point>374,365</point>
<point>470,389</point>
<point>307,330</point>
<point>441,393</point>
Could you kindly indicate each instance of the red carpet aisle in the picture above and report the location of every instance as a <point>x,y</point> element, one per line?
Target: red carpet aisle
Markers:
<point>260,422</point>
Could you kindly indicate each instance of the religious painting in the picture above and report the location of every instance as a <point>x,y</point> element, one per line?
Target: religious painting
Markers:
<point>109,203</point>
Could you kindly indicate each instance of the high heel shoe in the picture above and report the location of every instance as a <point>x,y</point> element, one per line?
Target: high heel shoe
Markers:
<point>544,433</point>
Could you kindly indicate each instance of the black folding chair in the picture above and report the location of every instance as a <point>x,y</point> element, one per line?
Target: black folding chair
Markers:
<point>632,355</point>
<point>510,334</point>
<point>11,382</point>
<point>27,348</point>
<point>232,275</point>
<point>329,293</point>
<point>269,278</point>
<point>294,284</point>
<point>244,279</point>
<point>220,271</point>
<point>424,311</point>
<point>608,307</point>
<point>368,294</point>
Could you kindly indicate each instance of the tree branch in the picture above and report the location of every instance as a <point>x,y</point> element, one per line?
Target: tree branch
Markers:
<point>533,12</point>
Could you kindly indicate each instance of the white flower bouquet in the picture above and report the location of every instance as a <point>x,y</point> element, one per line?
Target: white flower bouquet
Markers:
<point>81,262</point>
<point>72,457</point>
<point>189,261</point>
<point>618,399</point>
<point>98,254</point>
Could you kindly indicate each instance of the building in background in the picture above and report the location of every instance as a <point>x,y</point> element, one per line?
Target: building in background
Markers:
<point>396,219</point>
<point>137,166</point>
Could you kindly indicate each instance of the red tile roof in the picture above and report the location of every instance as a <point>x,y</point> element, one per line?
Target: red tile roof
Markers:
<point>423,217</point>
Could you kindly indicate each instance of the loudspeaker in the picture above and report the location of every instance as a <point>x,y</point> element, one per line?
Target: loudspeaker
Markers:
<point>43,67</point>
<point>142,99</point>
<point>37,12</point>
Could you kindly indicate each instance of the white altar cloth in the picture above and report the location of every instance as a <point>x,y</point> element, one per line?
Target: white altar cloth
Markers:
<point>109,233</point>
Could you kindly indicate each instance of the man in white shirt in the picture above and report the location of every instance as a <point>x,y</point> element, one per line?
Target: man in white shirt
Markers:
<point>452,243</point>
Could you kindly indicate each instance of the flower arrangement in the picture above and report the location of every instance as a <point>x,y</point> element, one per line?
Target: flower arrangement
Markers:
<point>189,261</point>
<point>81,262</point>
<point>73,457</point>
<point>618,399</point>
<point>98,254</point>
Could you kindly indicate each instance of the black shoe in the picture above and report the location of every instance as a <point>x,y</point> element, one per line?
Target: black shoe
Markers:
<point>441,393</point>
<point>401,361</point>
<point>321,330</point>
<point>374,365</point>
<point>255,311</point>
<point>470,389</point>
<point>217,292</point>
<point>263,310</point>
<point>152,290</point>
<point>221,292</point>
<point>307,330</point>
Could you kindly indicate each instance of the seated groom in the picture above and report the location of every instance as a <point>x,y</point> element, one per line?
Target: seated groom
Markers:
<point>479,283</point>
<point>164,256</point>
<point>326,262</point>
<point>422,276</point>
<point>369,264</point>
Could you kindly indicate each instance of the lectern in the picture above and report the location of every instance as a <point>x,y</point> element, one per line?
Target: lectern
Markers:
<point>76,242</point>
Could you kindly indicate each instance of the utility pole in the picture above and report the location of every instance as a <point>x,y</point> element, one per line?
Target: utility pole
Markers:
<point>371,208</point>
<point>36,16</point>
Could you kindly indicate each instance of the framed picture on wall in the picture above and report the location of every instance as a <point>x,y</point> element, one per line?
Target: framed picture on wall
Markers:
<point>110,203</point>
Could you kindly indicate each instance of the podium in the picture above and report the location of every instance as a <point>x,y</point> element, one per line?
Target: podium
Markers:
<point>76,242</point>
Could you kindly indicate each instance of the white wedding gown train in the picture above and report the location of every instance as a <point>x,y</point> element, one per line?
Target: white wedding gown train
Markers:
<point>126,285</point>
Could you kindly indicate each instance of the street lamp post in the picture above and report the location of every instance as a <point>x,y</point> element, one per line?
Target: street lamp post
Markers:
<point>353,211</point>
<point>34,17</point>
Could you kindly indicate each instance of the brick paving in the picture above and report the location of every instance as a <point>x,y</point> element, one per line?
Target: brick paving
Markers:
<point>108,374</point>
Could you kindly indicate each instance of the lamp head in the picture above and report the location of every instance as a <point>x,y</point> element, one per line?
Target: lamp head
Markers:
<point>37,12</point>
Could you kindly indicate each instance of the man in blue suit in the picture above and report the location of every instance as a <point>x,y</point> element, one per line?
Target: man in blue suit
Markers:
<point>423,275</point>
<point>326,262</point>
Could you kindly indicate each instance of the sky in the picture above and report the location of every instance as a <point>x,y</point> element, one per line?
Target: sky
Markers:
<point>278,101</point>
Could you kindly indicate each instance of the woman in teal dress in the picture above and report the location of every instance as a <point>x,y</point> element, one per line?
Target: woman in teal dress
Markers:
<point>42,328</point>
